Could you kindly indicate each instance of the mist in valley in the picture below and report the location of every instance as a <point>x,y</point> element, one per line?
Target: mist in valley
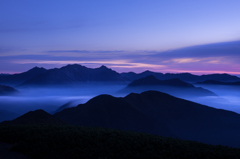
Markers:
<point>228,97</point>
<point>53,99</point>
<point>223,97</point>
<point>50,99</point>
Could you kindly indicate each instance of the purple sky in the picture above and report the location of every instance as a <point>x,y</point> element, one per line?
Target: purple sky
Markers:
<point>200,37</point>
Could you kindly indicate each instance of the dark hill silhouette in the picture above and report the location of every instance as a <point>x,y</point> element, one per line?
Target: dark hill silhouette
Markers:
<point>187,77</point>
<point>158,113</point>
<point>36,117</point>
<point>174,87</point>
<point>110,112</point>
<point>219,83</point>
<point>16,79</point>
<point>75,74</point>
<point>7,90</point>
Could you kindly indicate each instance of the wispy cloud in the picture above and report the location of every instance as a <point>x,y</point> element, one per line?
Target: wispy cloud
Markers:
<point>192,59</point>
<point>226,49</point>
<point>66,51</point>
<point>86,51</point>
<point>68,62</point>
<point>4,50</point>
<point>113,63</point>
<point>186,60</point>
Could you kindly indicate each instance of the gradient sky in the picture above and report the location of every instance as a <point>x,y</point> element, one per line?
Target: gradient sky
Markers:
<point>199,37</point>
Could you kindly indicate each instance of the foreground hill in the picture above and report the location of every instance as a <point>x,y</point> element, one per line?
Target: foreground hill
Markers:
<point>7,90</point>
<point>71,142</point>
<point>174,87</point>
<point>16,79</point>
<point>75,74</point>
<point>158,113</point>
<point>35,117</point>
<point>187,77</point>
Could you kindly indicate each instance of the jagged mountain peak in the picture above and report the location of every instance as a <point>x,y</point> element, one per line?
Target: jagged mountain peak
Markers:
<point>103,66</point>
<point>36,68</point>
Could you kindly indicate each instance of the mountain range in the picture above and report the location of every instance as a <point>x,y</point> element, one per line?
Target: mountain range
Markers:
<point>174,87</point>
<point>75,74</point>
<point>16,79</point>
<point>78,74</point>
<point>187,77</point>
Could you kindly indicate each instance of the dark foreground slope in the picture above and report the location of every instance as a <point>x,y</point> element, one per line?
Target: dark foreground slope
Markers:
<point>7,90</point>
<point>111,112</point>
<point>174,87</point>
<point>71,142</point>
<point>35,117</point>
<point>158,113</point>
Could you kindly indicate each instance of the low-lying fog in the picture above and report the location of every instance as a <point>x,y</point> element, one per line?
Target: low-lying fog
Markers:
<point>229,97</point>
<point>50,99</point>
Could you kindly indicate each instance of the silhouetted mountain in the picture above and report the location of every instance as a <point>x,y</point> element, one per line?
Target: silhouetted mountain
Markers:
<point>219,83</point>
<point>174,87</point>
<point>110,112</point>
<point>16,79</point>
<point>75,74</point>
<point>7,90</point>
<point>158,113</point>
<point>152,80</point>
<point>7,115</point>
<point>134,76</point>
<point>36,117</point>
<point>187,77</point>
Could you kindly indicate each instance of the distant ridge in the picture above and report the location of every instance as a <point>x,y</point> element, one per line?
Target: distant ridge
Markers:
<point>16,79</point>
<point>78,74</point>
<point>152,80</point>
<point>187,77</point>
<point>174,87</point>
<point>75,74</point>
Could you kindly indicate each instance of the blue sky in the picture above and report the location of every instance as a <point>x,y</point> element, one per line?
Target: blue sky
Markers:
<point>126,35</point>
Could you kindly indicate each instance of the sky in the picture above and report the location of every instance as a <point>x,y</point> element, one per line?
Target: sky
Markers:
<point>200,37</point>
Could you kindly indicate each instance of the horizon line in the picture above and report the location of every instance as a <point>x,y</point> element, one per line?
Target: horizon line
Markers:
<point>164,72</point>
